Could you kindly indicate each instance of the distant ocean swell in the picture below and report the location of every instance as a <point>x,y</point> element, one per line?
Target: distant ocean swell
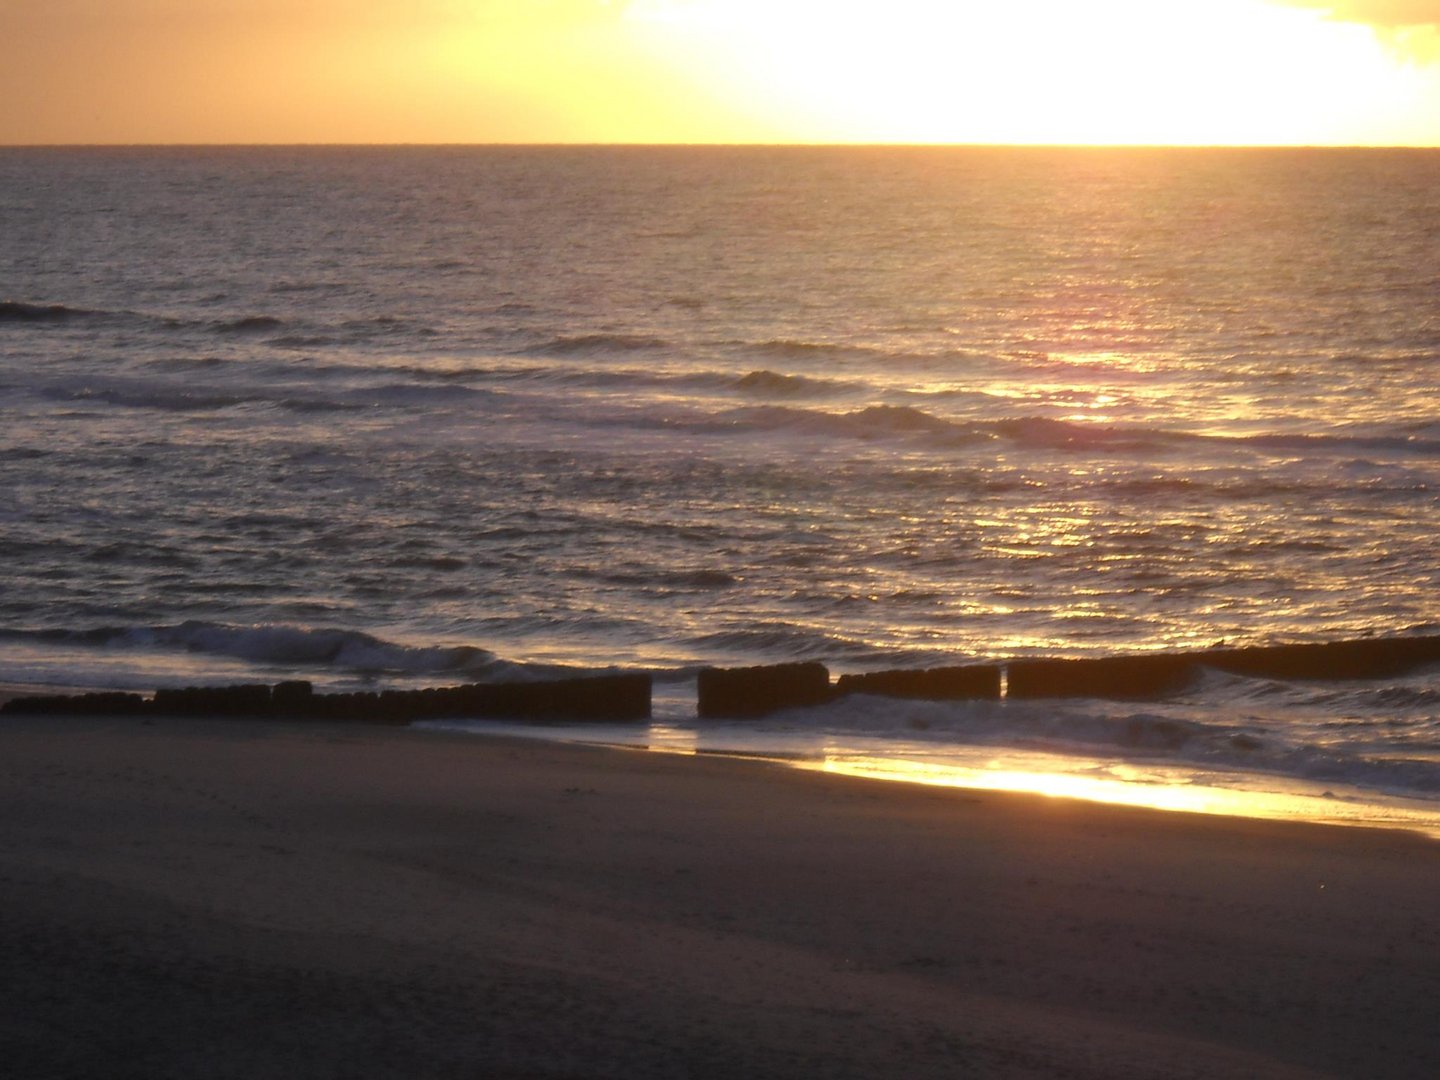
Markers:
<point>13,311</point>
<point>18,314</point>
<point>507,390</point>
<point>881,409</point>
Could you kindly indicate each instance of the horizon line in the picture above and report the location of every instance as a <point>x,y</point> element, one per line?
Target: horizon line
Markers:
<point>296,145</point>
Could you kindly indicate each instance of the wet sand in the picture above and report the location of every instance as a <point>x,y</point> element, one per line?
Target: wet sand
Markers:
<point>243,899</point>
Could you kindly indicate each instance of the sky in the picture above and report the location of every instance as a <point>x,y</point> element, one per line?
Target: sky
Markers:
<point>1270,72</point>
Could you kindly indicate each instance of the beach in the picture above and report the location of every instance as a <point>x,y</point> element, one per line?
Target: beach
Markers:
<point>246,898</point>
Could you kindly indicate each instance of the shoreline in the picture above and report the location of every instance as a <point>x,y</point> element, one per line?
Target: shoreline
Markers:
<point>1044,774</point>
<point>247,898</point>
<point>1168,786</point>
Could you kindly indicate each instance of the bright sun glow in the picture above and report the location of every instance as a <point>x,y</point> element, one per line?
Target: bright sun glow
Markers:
<point>1049,71</point>
<point>677,71</point>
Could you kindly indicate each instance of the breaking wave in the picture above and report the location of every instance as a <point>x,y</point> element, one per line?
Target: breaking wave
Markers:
<point>13,311</point>
<point>1201,738</point>
<point>774,384</point>
<point>287,646</point>
<point>251,324</point>
<point>582,344</point>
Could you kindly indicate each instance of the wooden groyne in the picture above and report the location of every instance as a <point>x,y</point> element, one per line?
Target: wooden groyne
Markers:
<point>750,692</point>
<point>590,698</point>
<point>747,692</point>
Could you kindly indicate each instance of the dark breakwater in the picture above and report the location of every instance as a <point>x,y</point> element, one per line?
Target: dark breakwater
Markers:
<point>602,698</point>
<point>749,692</point>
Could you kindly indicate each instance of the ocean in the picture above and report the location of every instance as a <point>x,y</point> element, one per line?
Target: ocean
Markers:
<point>424,416</point>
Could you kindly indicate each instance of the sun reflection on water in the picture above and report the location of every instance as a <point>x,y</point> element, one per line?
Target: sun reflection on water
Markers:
<point>1153,785</point>
<point>1130,785</point>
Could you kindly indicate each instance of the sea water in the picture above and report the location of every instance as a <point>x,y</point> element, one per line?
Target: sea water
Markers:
<point>374,416</point>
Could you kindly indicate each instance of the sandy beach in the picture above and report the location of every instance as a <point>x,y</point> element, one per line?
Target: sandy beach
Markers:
<point>243,899</point>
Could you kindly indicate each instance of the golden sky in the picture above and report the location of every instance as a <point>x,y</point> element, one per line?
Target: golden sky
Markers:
<point>999,71</point>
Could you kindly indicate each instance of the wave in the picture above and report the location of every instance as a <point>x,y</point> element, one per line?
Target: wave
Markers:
<point>584,344</point>
<point>774,384</point>
<point>581,377</point>
<point>705,382</point>
<point>291,333</point>
<point>902,419</point>
<point>873,422</point>
<point>386,326</point>
<point>687,580</point>
<point>765,642</point>
<point>1051,726</point>
<point>13,311</point>
<point>349,329</point>
<point>249,324</point>
<point>1041,433</point>
<point>308,286</point>
<point>189,363</point>
<point>950,360</point>
<point>755,384</point>
<point>1207,740</point>
<point>402,394</point>
<point>695,401</point>
<point>173,398</point>
<point>180,401</point>
<point>303,341</point>
<point>1301,443</point>
<point>898,421</point>
<point>785,348</point>
<point>289,646</point>
<point>160,399</point>
<point>318,335</point>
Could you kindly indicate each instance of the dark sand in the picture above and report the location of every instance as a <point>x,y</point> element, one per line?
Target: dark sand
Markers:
<point>210,899</point>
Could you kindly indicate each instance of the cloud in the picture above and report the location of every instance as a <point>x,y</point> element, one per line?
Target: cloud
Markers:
<point>1390,14</point>
<point>1409,30</point>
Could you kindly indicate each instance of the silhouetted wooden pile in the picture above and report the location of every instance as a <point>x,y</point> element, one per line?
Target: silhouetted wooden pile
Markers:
<point>1139,677</point>
<point>1160,674</point>
<point>742,693</point>
<point>106,704</point>
<point>1371,658</point>
<point>966,682</point>
<point>598,697</point>
<point>749,692</point>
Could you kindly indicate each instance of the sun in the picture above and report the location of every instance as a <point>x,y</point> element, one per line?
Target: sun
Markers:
<point>1197,72</point>
<point>1047,71</point>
